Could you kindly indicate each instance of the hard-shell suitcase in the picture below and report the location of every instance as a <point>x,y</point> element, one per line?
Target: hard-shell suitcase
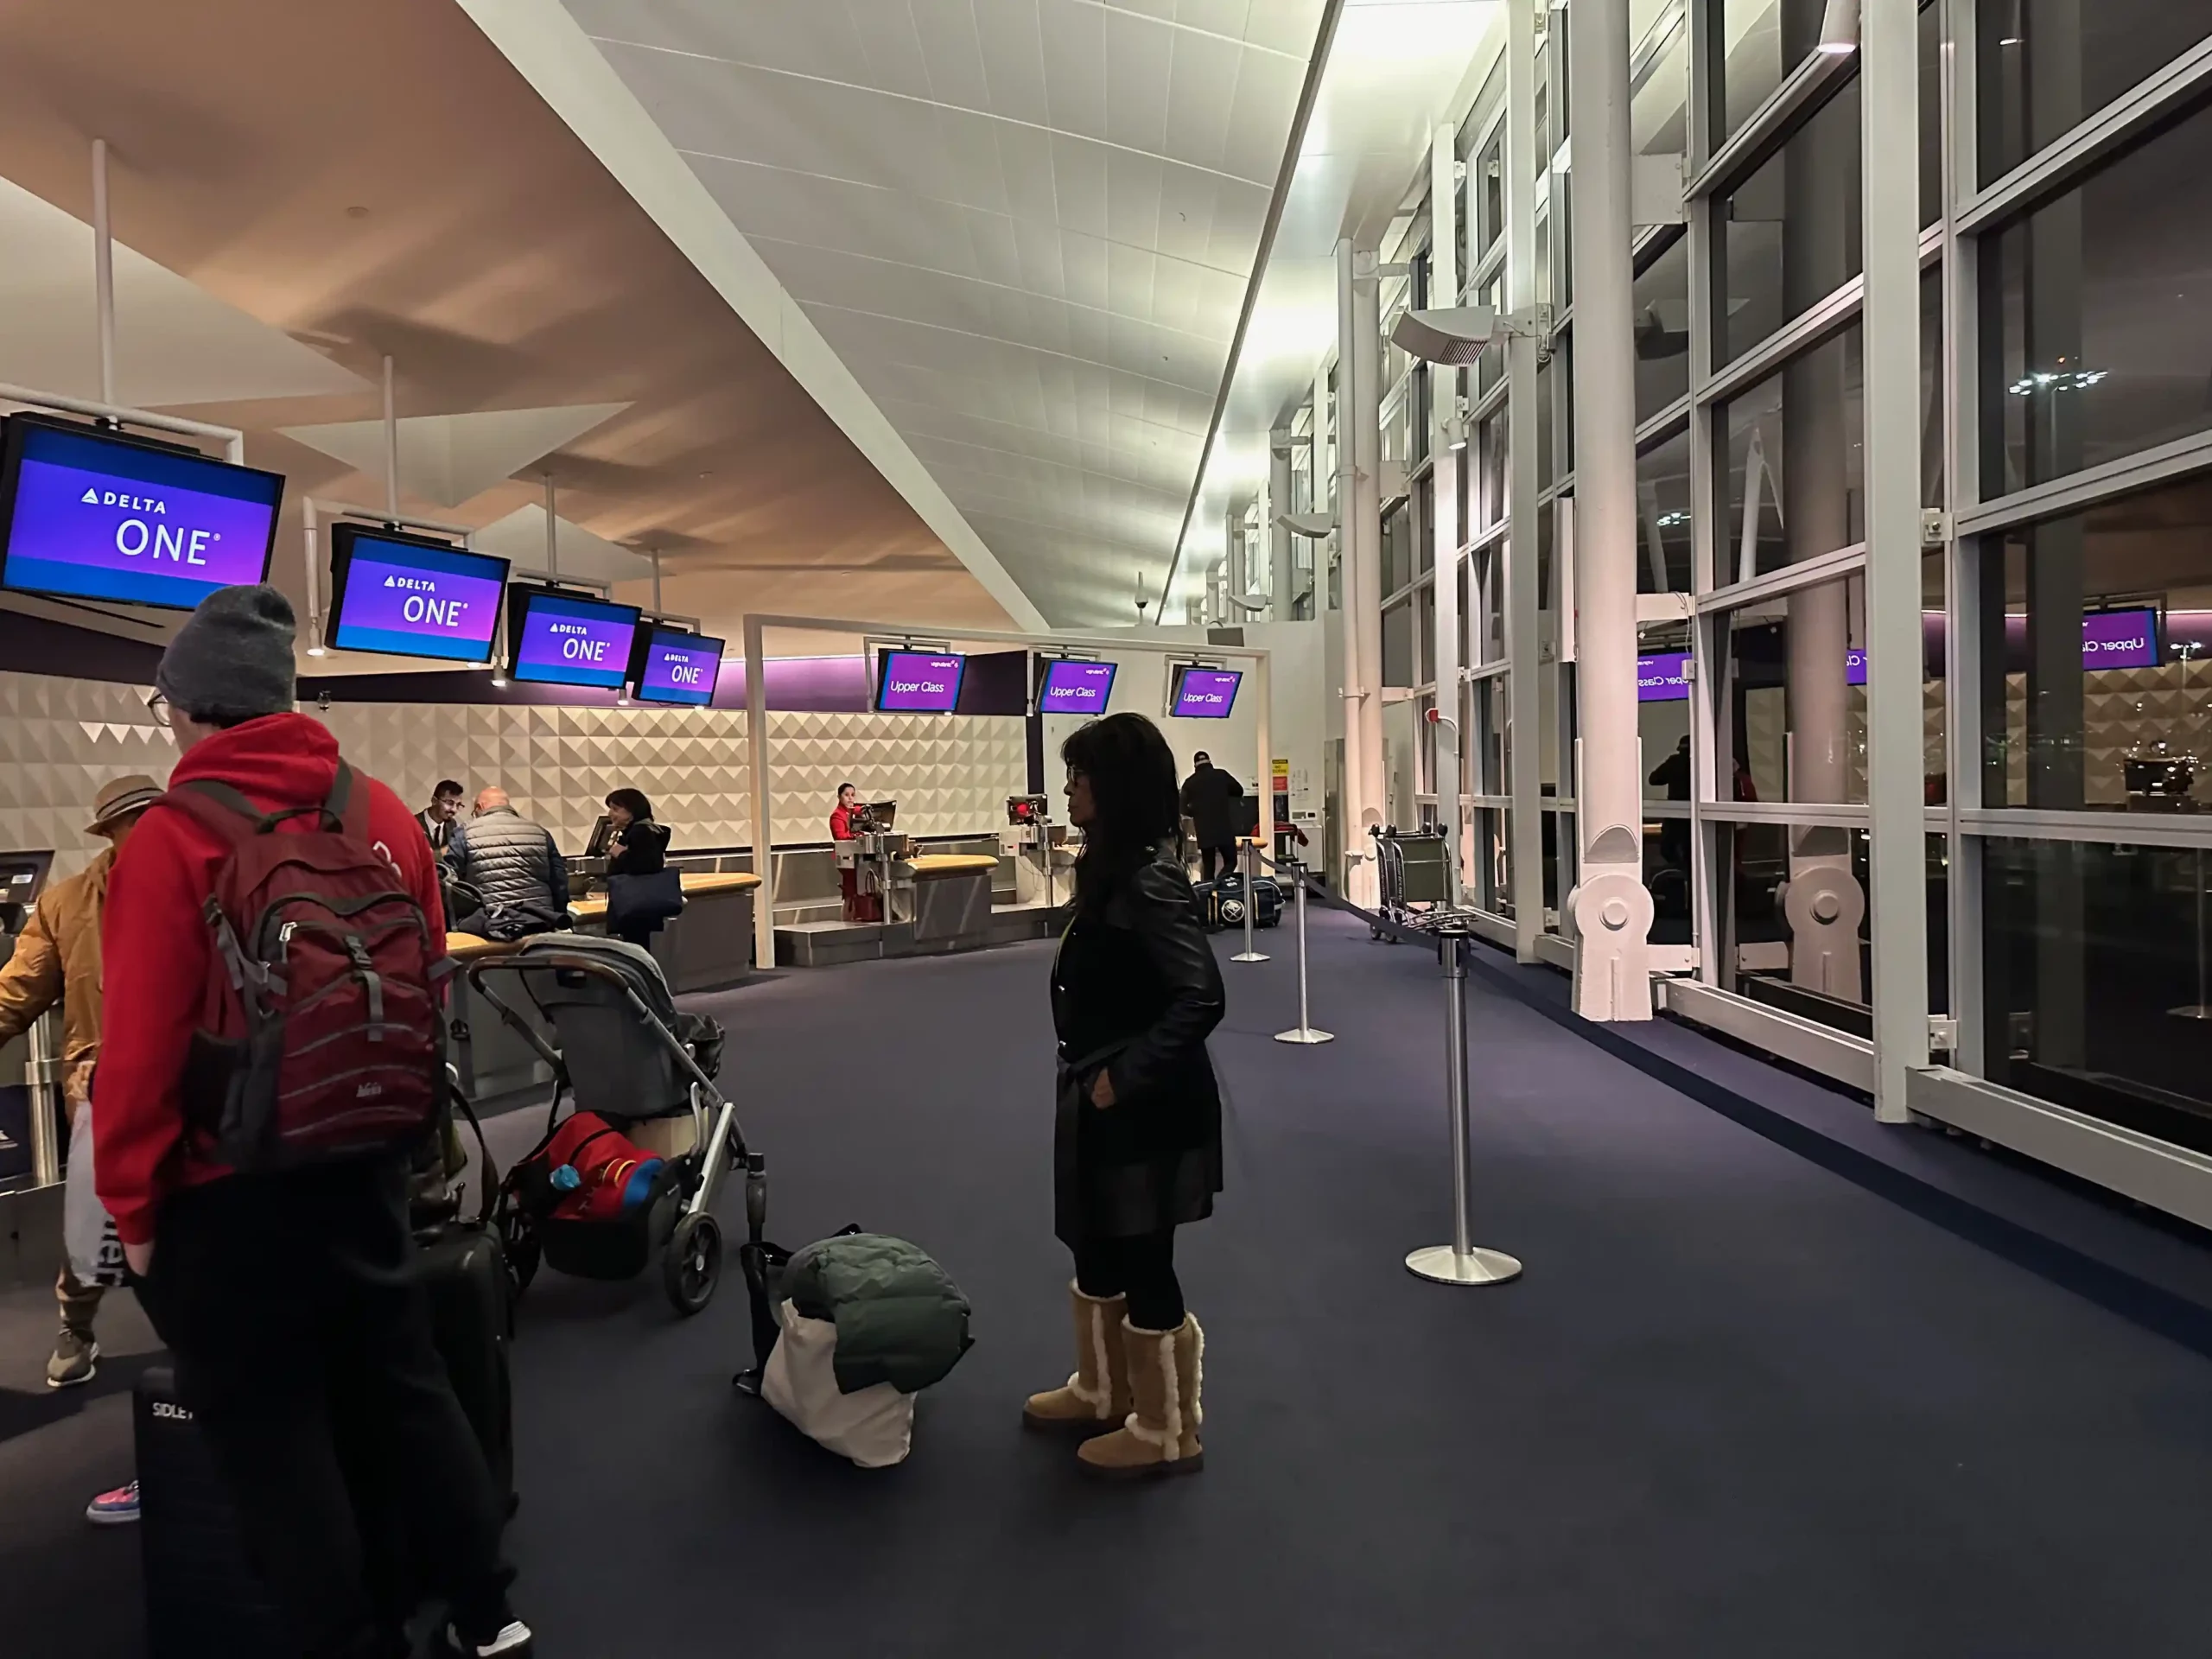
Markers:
<point>202,1599</point>
<point>464,1271</point>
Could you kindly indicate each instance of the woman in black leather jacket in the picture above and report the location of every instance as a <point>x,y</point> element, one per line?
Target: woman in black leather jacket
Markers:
<point>1137,1140</point>
<point>638,846</point>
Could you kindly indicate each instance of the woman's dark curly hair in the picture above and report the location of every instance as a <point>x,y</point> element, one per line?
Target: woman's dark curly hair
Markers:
<point>1134,799</point>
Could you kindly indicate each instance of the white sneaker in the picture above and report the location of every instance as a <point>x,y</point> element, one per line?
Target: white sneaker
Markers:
<point>513,1641</point>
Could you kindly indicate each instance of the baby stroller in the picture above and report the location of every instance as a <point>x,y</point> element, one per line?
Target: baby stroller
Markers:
<point>627,1054</point>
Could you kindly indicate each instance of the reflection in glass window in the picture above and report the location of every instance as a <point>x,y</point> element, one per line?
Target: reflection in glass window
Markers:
<point>1662,330</point>
<point>1795,483</point>
<point>2098,307</point>
<point>1757,44</point>
<point>1398,644</point>
<point>1796,933</point>
<point>2094,981</point>
<point>2048,65</point>
<point>1662,513</point>
<point>1792,698</point>
<point>2099,696</point>
<point>1789,235</point>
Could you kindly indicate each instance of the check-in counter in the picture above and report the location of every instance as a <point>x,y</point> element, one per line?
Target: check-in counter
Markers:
<point>494,1060</point>
<point>952,899</point>
<point>708,947</point>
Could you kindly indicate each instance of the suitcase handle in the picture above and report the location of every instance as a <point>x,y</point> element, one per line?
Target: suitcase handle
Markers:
<point>490,1181</point>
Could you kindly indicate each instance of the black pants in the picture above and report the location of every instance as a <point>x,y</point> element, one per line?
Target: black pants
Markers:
<point>1223,857</point>
<point>1142,1269</point>
<point>302,1345</point>
<point>638,933</point>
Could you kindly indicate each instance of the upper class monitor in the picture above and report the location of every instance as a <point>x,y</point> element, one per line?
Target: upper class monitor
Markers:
<point>677,667</point>
<point>1663,679</point>
<point>93,514</point>
<point>560,638</point>
<point>1072,688</point>
<point>410,597</point>
<point>1205,693</point>
<point>918,681</point>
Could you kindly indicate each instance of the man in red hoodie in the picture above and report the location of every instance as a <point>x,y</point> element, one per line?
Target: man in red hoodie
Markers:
<point>302,1338</point>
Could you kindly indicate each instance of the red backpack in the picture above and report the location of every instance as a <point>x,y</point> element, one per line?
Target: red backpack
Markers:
<point>323,1036</point>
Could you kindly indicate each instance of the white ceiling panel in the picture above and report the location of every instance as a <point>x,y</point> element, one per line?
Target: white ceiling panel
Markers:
<point>1026,226</point>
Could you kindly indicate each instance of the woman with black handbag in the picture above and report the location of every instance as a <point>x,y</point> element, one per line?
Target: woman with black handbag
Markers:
<point>1137,1140</point>
<point>642,892</point>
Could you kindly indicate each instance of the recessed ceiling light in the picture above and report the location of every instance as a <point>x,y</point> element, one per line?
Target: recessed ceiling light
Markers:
<point>357,211</point>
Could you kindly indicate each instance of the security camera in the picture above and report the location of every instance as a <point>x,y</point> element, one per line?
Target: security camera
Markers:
<point>1453,337</point>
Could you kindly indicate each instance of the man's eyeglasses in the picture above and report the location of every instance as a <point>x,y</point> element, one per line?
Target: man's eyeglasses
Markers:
<point>158,707</point>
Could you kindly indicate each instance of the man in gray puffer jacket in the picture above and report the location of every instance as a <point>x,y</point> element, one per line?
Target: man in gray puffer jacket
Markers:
<point>513,865</point>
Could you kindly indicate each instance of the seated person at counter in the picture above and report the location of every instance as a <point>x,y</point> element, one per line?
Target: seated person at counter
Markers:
<point>437,819</point>
<point>637,849</point>
<point>513,867</point>
<point>859,906</point>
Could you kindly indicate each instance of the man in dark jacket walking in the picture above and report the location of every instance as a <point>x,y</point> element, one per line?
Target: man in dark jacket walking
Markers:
<point>513,865</point>
<point>1208,795</point>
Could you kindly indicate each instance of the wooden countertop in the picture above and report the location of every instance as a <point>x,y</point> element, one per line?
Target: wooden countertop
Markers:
<point>697,884</point>
<point>466,947</point>
<point>930,865</point>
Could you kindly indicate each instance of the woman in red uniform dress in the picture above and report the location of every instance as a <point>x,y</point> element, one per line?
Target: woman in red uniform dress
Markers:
<point>859,906</point>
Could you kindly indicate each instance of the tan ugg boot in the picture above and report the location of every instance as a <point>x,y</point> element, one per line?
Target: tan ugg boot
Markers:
<point>1096,1398</point>
<point>1168,1377</point>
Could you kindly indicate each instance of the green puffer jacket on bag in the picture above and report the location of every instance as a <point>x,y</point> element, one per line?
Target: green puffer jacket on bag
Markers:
<point>901,1320</point>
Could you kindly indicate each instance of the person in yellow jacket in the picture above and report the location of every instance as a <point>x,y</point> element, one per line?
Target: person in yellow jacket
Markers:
<point>57,959</point>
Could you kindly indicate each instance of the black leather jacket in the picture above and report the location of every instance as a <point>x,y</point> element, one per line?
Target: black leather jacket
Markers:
<point>1135,991</point>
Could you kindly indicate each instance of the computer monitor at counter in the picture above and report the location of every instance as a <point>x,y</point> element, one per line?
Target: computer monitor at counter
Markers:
<point>602,834</point>
<point>877,815</point>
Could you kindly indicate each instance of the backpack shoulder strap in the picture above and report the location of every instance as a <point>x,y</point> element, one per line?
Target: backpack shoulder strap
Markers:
<point>346,809</point>
<point>217,806</point>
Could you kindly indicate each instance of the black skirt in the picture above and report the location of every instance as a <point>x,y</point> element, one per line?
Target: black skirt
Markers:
<point>1099,1191</point>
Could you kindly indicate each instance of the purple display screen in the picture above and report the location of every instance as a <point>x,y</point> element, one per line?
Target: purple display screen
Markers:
<point>90,516</point>
<point>566,641</point>
<point>1854,668</point>
<point>919,682</point>
<point>679,668</point>
<point>2119,640</point>
<point>1076,688</point>
<point>1663,679</point>
<point>410,598</point>
<point>1206,693</point>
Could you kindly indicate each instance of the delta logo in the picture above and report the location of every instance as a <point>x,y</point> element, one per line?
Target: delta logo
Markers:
<point>93,498</point>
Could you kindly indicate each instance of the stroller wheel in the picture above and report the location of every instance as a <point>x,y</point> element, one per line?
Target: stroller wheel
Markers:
<point>693,1263</point>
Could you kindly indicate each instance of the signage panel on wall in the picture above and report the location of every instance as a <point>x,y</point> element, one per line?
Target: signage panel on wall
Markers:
<point>407,596</point>
<point>95,515</point>
<point>678,667</point>
<point>1073,688</point>
<point>1205,693</point>
<point>564,639</point>
<point>920,682</point>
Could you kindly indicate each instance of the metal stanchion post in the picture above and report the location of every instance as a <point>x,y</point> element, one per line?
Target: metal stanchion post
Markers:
<point>1251,858</point>
<point>1461,1261</point>
<point>1302,1033</point>
<point>43,1074</point>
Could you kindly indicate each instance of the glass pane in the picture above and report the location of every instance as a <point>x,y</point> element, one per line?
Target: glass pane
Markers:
<point>1778,882</point>
<point>1939,925</point>
<point>2099,696</point>
<point>1662,330</point>
<point>1491,457</point>
<point>1662,719</point>
<point>2094,990</point>
<point>2093,310</point>
<point>1424,503</point>
<point>1794,484</point>
<point>1486,747</point>
<point>1931,113</point>
<point>1397,547</point>
<point>1544,381</point>
<point>1756,44</point>
<point>1425,633</point>
<point>1493,874</point>
<point>1790,234</point>
<point>1490,174</point>
<point>1662,500</point>
<point>2048,65</point>
<point>1791,701</point>
<point>1398,644</point>
<point>1490,367</point>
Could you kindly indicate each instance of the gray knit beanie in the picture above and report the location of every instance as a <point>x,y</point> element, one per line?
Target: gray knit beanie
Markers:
<point>233,656</point>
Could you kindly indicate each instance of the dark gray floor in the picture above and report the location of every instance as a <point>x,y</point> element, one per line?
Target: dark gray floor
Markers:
<point>1740,1405</point>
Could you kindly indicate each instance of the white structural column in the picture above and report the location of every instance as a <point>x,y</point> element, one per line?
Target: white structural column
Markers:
<point>1612,907</point>
<point>1890,101</point>
<point>1523,648</point>
<point>1444,482</point>
<point>1359,541</point>
<point>1278,582</point>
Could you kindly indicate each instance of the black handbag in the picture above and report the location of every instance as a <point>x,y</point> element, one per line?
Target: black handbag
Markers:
<point>644,900</point>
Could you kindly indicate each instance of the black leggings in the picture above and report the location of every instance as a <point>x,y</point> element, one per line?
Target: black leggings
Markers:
<point>1141,1268</point>
<point>1222,858</point>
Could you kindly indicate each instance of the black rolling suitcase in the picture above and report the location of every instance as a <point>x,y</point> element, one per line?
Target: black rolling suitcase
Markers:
<point>472,1292</point>
<point>202,1600</point>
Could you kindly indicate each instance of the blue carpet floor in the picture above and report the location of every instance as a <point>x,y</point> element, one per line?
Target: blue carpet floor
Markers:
<point>1740,1405</point>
